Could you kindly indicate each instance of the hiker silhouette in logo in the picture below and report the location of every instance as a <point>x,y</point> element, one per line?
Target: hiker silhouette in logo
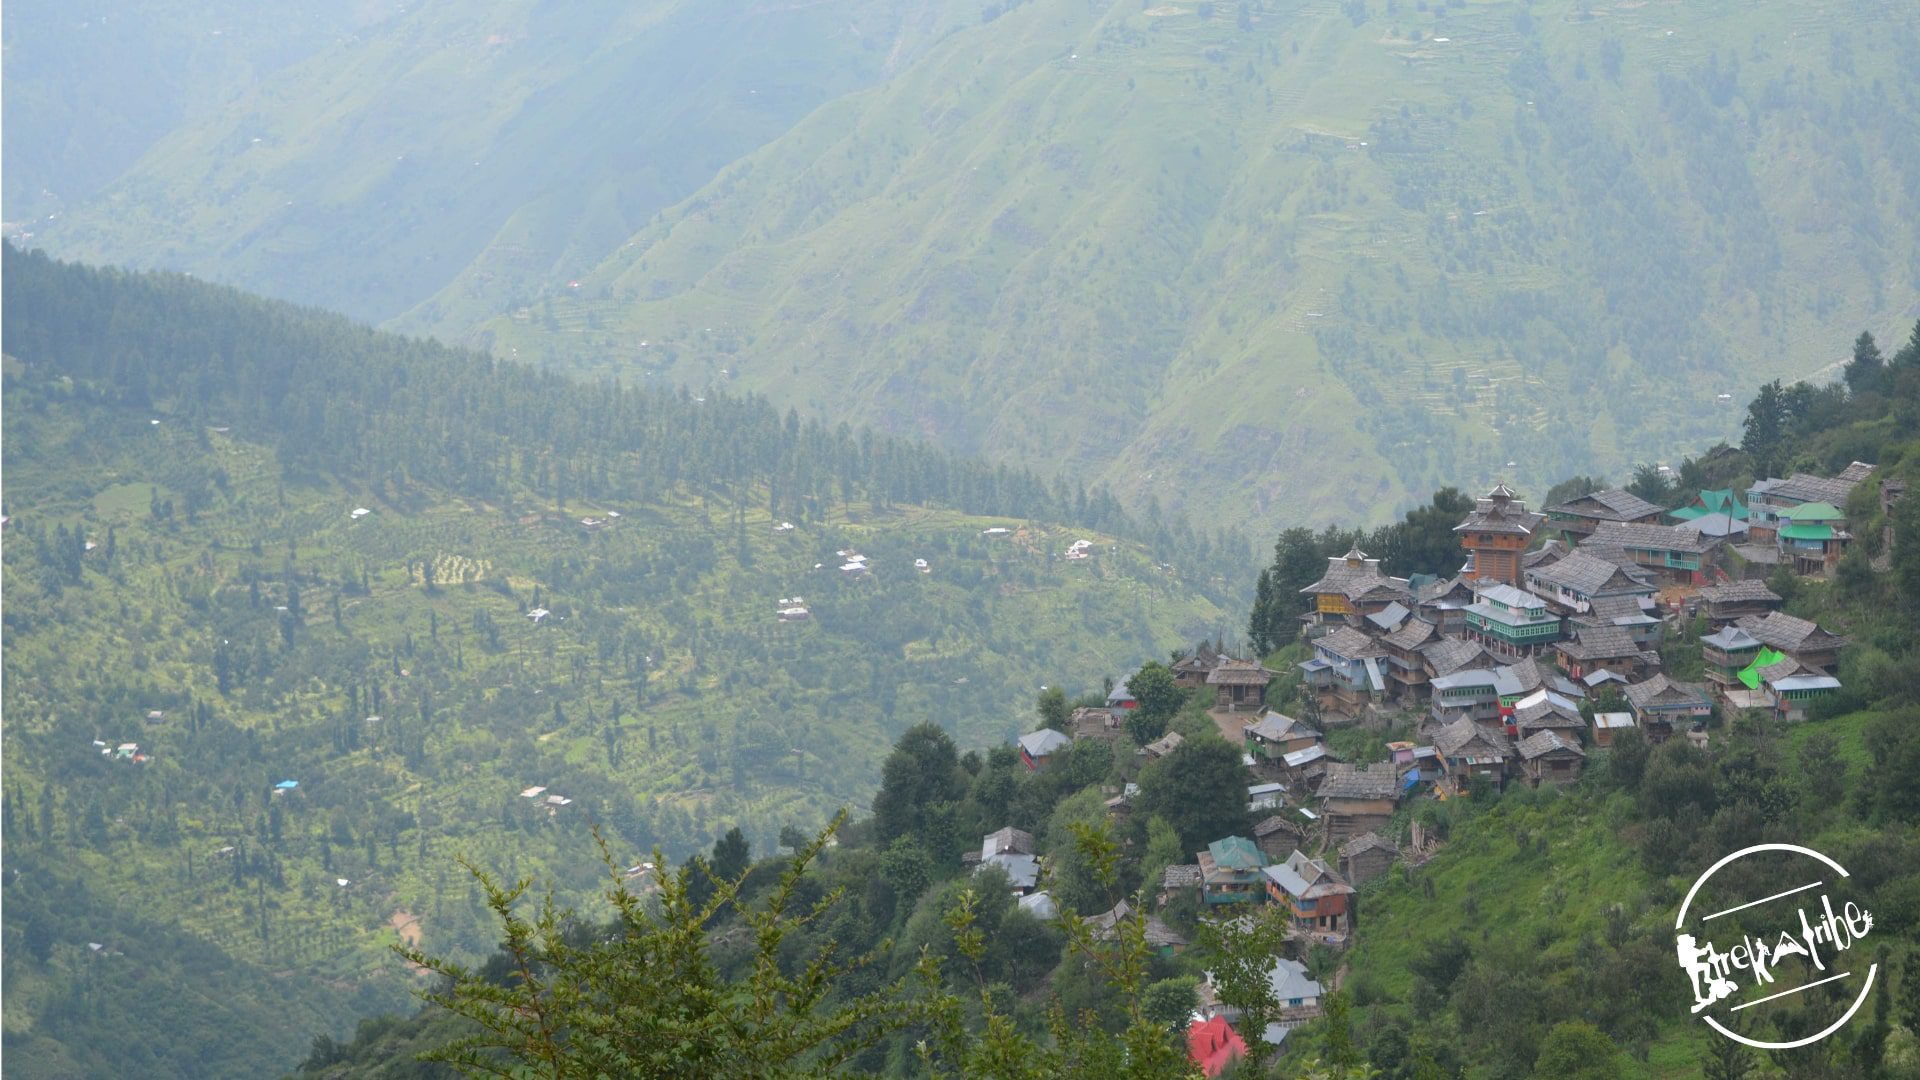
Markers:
<point>1708,986</point>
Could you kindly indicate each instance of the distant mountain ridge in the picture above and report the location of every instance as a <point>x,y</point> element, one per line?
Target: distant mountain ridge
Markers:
<point>1297,261</point>
<point>364,177</point>
<point>1256,262</point>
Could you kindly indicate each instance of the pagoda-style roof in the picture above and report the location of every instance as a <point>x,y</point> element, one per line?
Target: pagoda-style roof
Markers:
<point>1359,578</point>
<point>1500,511</point>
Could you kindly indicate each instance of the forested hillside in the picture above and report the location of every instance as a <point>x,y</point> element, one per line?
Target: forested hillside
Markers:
<point>297,611</point>
<point>1292,263</point>
<point>1531,939</point>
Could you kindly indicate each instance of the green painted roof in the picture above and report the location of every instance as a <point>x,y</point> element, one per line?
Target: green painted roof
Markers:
<point>1809,531</point>
<point>1750,675</point>
<point>1236,853</point>
<point>1712,502</point>
<point>1814,512</point>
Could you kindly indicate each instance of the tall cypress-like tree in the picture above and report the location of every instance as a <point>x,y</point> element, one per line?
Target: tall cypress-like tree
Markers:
<point>1260,622</point>
<point>1765,427</point>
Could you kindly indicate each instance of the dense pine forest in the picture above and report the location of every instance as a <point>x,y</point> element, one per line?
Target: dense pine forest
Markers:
<point>297,611</point>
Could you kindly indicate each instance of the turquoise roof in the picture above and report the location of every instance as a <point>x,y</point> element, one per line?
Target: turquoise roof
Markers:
<point>1236,853</point>
<point>1807,513</point>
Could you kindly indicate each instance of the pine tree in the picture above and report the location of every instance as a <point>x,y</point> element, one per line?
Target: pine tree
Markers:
<point>1864,372</point>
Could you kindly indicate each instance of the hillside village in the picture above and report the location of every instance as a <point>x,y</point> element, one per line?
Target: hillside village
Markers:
<point>1545,645</point>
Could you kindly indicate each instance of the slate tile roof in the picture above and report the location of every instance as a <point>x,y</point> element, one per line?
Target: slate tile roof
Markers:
<point>1586,573</point>
<point>1379,780</point>
<point>1357,577</point>
<point>1789,633</point>
<point>1460,734</point>
<point>1645,537</point>
<point>1612,504</point>
<point>1546,742</point>
<point>1600,643</point>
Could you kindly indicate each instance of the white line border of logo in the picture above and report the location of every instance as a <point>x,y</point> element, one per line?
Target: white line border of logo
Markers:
<point>1681,920</point>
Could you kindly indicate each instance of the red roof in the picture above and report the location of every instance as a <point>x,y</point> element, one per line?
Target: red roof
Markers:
<point>1214,1045</point>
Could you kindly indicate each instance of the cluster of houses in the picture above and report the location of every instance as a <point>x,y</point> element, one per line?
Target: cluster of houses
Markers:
<point>1543,645</point>
<point>1572,603</point>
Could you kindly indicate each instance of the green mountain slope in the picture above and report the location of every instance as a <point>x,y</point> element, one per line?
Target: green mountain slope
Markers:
<point>524,141</point>
<point>184,463</point>
<point>1268,262</point>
